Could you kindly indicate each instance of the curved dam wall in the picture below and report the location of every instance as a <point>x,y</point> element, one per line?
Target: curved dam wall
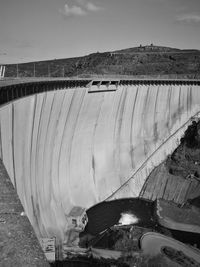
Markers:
<point>76,148</point>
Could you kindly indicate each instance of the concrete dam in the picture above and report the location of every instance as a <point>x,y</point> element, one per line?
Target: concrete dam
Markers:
<point>77,143</point>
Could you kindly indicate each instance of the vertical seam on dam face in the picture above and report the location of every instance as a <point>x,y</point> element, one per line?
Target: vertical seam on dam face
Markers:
<point>13,151</point>
<point>144,111</point>
<point>45,144</point>
<point>37,167</point>
<point>179,101</point>
<point>31,164</point>
<point>74,129</point>
<point>155,133</point>
<point>54,142</point>
<point>117,128</point>
<point>94,133</point>
<point>169,103</point>
<point>85,148</point>
<point>62,140</point>
<point>131,134</point>
<point>119,131</point>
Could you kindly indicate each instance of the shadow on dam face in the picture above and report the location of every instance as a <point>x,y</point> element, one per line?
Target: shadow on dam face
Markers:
<point>71,148</point>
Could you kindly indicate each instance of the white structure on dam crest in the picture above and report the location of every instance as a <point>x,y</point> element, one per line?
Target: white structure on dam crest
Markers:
<point>2,71</point>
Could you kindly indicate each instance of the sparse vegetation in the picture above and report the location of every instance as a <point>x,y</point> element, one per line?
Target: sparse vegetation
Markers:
<point>185,160</point>
<point>151,60</point>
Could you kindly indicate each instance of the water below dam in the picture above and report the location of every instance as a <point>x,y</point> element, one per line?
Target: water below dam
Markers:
<point>107,214</point>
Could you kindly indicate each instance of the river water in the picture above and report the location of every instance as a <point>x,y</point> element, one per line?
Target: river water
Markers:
<point>107,214</point>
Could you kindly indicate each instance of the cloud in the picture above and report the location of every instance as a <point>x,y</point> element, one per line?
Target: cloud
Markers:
<point>188,18</point>
<point>73,11</point>
<point>81,8</point>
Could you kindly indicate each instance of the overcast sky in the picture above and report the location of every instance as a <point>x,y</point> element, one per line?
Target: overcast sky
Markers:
<point>46,29</point>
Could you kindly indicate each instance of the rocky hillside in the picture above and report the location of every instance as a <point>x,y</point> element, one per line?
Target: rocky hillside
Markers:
<point>142,60</point>
<point>177,179</point>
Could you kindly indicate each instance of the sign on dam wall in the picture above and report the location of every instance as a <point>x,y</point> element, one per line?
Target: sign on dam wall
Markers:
<point>71,148</point>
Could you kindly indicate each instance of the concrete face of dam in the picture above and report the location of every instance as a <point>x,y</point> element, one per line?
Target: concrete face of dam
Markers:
<point>73,147</point>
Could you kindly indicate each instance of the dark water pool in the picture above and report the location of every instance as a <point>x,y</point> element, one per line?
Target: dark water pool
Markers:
<point>107,214</point>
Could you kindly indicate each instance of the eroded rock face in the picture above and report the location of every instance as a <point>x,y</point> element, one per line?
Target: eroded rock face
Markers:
<point>69,148</point>
<point>185,160</point>
<point>178,177</point>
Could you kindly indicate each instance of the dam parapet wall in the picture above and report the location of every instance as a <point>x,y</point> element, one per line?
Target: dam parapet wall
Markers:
<point>12,89</point>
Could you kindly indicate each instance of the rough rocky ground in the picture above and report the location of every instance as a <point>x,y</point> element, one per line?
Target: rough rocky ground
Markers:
<point>19,246</point>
